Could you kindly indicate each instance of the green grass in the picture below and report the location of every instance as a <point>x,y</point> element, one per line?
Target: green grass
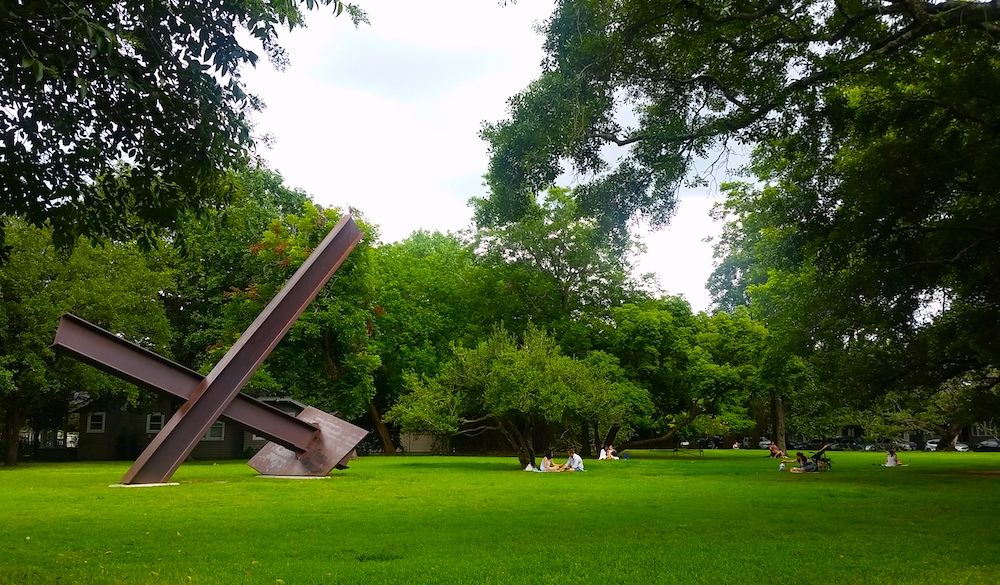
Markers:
<point>729,517</point>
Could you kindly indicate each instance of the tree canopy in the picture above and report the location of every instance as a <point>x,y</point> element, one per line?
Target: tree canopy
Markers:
<point>326,358</point>
<point>516,388</point>
<point>115,287</point>
<point>671,81</point>
<point>118,117</point>
<point>867,238</point>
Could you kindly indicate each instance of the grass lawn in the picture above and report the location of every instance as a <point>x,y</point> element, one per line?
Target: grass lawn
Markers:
<point>729,517</point>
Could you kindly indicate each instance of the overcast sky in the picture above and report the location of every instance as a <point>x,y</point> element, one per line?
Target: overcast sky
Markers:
<point>386,118</point>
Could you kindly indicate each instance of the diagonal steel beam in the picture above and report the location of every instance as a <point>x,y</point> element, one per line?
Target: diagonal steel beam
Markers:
<point>212,396</point>
<point>112,354</point>
<point>312,443</point>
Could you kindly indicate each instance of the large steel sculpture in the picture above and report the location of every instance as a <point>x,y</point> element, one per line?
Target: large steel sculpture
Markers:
<point>311,444</point>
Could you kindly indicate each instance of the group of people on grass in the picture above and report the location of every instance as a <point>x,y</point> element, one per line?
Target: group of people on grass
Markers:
<point>806,465</point>
<point>574,462</point>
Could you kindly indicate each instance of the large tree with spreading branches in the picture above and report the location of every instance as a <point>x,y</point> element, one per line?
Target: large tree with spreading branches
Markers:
<point>116,117</point>
<point>668,82</point>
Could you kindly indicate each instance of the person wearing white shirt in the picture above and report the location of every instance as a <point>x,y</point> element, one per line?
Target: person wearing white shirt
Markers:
<point>574,462</point>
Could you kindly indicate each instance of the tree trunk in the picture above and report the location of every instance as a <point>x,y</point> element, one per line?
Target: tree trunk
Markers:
<point>659,441</point>
<point>521,446</point>
<point>949,438</point>
<point>525,458</point>
<point>13,421</point>
<point>612,435</point>
<point>778,421</point>
<point>585,439</point>
<point>383,432</point>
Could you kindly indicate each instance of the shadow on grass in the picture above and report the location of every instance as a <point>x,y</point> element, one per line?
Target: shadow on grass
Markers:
<point>457,462</point>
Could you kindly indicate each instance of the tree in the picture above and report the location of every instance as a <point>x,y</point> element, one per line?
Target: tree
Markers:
<point>869,245</point>
<point>946,409</point>
<point>214,255</point>
<point>694,366</point>
<point>121,116</point>
<point>515,388</point>
<point>112,286</point>
<point>326,359</point>
<point>429,296</point>
<point>673,81</point>
<point>556,269</point>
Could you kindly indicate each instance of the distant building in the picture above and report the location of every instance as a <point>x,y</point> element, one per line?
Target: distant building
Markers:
<point>108,431</point>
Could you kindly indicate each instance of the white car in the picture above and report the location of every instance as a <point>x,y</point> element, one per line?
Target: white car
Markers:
<point>932,445</point>
<point>764,443</point>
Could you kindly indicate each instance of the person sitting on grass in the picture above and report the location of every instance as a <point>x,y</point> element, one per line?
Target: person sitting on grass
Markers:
<point>574,462</point>
<point>548,464</point>
<point>804,464</point>
<point>891,459</point>
<point>776,453</point>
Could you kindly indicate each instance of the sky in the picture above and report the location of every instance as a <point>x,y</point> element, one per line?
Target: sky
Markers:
<point>386,117</point>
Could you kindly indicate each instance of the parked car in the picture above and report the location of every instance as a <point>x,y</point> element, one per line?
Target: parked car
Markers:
<point>873,447</point>
<point>934,444</point>
<point>764,443</point>
<point>897,444</point>
<point>845,444</point>
<point>816,444</point>
<point>988,445</point>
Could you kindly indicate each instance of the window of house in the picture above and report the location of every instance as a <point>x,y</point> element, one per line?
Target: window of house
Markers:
<point>95,422</point>
<point>984,429</point>
<point>155,422</point>
<point>216,432</point>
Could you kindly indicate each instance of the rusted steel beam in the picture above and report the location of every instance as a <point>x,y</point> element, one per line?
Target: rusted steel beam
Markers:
<point>313,443</point>
<point>118,357</point>
<point>209,400</point>
<point>332,448</point>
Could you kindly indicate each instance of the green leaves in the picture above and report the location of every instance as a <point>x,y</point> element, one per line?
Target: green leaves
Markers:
<point>113,286</point>
<point>658,84</point>
<point>115,123</point>
<point>510,384</point>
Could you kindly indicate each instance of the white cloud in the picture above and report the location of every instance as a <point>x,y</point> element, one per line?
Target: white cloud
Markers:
<point>678,253</point>
<point>386,118</point>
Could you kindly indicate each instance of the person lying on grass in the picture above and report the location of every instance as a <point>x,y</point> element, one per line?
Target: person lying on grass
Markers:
<point>574,463</point>
<point>804,464</point>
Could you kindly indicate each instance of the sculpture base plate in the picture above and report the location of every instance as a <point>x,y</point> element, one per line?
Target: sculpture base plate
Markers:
<point>330,448</point>
<point>294,476</point>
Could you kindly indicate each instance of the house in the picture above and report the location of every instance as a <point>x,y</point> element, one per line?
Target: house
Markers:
<point>110,430</point>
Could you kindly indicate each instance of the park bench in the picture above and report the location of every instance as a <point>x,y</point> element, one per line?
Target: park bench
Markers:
<point>688,450</point>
